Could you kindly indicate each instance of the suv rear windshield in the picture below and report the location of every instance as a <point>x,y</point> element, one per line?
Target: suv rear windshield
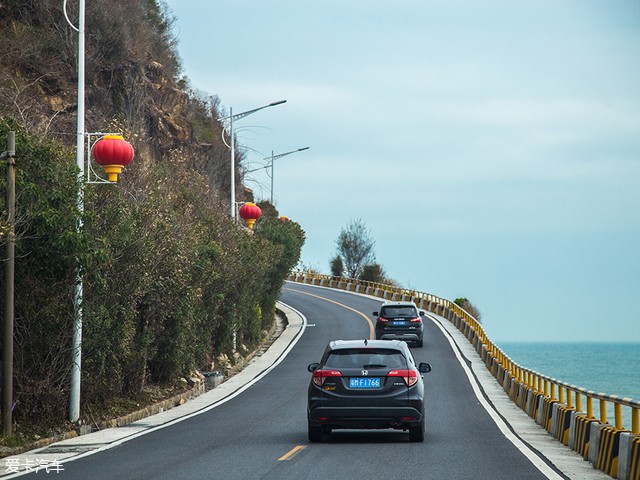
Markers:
<point>365,357</point>
<point>399,311</point>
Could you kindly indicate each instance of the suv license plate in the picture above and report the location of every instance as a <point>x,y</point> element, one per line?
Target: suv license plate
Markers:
<point>364,382</point>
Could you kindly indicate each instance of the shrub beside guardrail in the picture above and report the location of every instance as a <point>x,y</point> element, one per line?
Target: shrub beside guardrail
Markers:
<point>565,411</point>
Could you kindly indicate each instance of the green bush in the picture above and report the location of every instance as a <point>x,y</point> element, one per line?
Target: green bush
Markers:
<point>167,278</point>
<point>46,248</point>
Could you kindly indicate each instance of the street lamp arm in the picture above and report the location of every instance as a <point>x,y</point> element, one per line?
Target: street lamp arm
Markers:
<point>256,169</point>
<point>280,155</point>
<point>64,9</point>
<point>240,115</point>
<point>273,159</point>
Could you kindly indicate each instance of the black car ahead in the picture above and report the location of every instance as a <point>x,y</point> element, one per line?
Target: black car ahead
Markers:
<point>399,321</point>
<point>372,384</point>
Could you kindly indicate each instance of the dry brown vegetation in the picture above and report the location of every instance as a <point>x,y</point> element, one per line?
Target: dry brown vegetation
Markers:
<point>167,276</point>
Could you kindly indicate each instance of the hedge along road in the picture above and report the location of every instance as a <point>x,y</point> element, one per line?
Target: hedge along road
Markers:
<point>261,431</point>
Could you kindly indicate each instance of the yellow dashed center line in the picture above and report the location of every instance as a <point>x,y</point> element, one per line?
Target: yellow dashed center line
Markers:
<point>292,453</point>
<point>371,328</point>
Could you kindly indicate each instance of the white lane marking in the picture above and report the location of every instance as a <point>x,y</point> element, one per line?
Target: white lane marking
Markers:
<point>190,415</point>
<point>498,420</point>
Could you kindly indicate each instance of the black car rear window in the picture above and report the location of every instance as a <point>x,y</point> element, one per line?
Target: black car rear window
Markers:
<point>365,357</point>
<point>399,311</point>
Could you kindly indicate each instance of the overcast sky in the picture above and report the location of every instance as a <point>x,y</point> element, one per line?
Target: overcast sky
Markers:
<point>493,148</point>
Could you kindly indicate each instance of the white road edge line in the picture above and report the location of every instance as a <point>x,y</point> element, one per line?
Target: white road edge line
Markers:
<point>532,456</point>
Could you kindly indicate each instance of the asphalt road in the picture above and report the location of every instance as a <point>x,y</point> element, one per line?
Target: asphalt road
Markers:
<point>262,433</point>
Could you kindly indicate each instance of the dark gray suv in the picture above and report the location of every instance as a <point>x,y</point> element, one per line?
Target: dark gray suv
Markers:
<point>399,321</point>
<point>366,384</point>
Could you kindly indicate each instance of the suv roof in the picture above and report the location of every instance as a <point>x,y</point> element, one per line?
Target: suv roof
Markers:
<point>389,303</point>
<point>339,344</point>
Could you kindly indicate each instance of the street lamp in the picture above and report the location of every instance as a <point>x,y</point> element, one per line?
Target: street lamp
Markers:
<point>113,153</point>
<point>275,157</point>
<point>231,118</point>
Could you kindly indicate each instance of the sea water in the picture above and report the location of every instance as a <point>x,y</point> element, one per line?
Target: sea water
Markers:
<point>610,368</point>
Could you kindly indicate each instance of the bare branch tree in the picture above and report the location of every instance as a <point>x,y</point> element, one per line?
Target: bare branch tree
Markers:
<point>355,247</point>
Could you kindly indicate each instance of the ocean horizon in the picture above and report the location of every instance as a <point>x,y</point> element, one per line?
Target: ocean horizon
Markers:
<point>612,368</point>
<point>607,367</point>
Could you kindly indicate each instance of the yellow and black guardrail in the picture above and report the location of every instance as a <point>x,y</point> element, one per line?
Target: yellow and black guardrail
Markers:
<point>565,411</point>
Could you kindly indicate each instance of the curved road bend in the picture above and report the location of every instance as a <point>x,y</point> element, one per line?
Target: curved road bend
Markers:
<point>262,433</point>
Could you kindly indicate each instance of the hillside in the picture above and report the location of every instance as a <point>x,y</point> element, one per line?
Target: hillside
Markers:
<point>168,278</point>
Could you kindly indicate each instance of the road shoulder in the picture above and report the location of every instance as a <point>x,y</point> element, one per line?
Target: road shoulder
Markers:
<point>52,458</point>
<point>565,460</point>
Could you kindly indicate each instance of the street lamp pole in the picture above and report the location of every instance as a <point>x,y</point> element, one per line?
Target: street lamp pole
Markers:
<point>231,118</point>
<point>275,157</point>
<point>74,400</point>
<point>120,154</point>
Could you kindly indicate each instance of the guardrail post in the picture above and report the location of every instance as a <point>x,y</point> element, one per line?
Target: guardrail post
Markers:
<point>617,409</point>
<point>603,411</point>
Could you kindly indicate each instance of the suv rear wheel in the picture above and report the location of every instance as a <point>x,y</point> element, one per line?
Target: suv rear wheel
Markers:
<point>416,434</point>
<point>316,434</point>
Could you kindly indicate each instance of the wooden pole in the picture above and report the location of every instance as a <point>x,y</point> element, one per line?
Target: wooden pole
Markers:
<point>9,273</point>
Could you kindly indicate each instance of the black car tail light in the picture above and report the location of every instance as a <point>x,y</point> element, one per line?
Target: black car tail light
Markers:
<point>382,320</point>
<point>416,320</point>
<point>410,377</point>
<point>320,375</point>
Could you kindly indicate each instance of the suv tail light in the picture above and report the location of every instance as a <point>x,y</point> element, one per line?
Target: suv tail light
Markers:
<point>319,376</point>
<point>416,320</point>
<point>382,320</point>
<point>410,377</point>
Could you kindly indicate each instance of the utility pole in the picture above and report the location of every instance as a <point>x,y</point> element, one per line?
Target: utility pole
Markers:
<point>9,273</point>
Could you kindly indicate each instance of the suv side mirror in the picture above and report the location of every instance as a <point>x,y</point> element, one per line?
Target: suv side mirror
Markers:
<point>376,314</point>
<point>422,314</point>
<point>313,367</point>
<point>424,367</point>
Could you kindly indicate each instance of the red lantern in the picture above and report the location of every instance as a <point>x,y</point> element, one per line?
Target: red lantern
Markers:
<point>113,153</point>
<point>250,212</point>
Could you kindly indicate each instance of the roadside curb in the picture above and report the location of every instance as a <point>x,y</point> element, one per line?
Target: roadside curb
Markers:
<point>162,406</point>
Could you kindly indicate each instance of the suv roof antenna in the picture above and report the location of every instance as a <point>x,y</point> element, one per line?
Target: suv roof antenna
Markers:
<point>365,342</point>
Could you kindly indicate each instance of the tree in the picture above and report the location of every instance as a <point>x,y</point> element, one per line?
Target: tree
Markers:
<point>373,272</point>
<point>469,307</point>
<point>355,247</point>
<point>337,268</point>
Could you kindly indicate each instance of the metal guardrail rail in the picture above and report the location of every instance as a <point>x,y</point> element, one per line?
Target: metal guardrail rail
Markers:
<point>570,396</point>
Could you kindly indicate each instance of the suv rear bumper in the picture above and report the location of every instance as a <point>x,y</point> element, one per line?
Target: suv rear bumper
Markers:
<point>407,337</point>
<point>365,417</point>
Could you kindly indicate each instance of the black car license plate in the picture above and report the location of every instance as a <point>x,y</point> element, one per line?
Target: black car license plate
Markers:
<point>399,322</point>
<point>364,382</point>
